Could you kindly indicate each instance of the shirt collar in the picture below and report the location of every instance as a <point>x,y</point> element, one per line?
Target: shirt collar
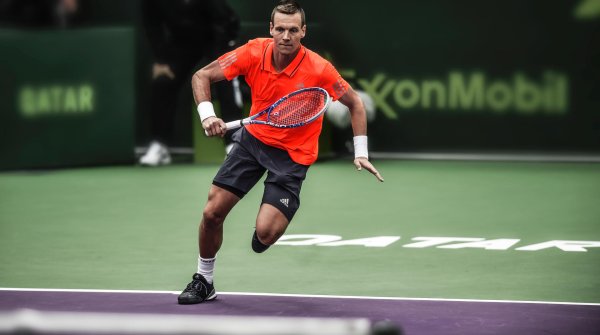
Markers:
<point>290,69</point>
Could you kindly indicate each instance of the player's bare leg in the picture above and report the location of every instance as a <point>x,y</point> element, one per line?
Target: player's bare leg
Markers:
<point>220,202</point>
<point>271,223</point>
<point>210,237</point>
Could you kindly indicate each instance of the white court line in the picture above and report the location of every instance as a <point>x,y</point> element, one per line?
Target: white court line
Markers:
<point>305,296</point>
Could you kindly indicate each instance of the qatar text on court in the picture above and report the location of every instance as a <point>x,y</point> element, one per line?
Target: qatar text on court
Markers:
<point>437,242</point>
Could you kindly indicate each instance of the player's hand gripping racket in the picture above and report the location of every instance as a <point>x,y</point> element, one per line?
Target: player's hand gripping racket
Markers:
<point>293,110</point>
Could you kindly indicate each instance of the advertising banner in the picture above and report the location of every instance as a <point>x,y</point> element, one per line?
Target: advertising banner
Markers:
<point>67,97</point>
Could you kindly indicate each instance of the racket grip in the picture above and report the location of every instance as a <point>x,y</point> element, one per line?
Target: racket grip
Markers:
<point>230,125</point>
<point>234,124</point>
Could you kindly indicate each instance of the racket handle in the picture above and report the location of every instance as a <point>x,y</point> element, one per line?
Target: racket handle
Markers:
<point>234,124</point>
<point>230,125</point>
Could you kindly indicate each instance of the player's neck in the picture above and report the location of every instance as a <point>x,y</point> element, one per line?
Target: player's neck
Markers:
<point>281,61</point>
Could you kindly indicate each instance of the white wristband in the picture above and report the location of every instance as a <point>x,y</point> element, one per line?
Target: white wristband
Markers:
<point>361,146</point>
<point>205,110</point>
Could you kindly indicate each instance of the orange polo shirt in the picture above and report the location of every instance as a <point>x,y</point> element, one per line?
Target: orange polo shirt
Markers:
<point>253,60</point>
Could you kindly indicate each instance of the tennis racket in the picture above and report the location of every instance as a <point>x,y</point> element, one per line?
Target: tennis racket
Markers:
<point>296,109</point>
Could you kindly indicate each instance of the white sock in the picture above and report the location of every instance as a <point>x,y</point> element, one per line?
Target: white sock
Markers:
<point>206,267</point>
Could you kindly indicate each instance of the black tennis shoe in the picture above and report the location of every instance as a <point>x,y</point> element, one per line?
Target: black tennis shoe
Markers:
<point>257,245</point>
<point>197,291</point>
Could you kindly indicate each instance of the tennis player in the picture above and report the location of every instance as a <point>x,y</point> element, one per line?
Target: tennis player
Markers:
<point>272,67</point>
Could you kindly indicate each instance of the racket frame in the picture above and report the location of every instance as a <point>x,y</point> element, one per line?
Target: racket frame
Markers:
<point>252,119</point>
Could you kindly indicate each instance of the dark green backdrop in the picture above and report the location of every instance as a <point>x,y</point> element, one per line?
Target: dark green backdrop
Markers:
<point>67,97</point>
<point>466,75</point>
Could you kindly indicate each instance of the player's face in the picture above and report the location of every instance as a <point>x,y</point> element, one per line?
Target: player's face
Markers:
<point>287,31</point>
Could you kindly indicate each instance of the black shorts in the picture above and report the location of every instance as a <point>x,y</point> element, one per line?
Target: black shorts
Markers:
<point>247,162</point>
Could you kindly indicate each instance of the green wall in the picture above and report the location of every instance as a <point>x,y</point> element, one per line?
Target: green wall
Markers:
<point>467,75</point>
<point>508,75</point>
<point>67,97</point>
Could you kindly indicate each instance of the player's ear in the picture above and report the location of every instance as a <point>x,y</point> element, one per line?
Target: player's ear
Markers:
<point>303,31</point>
<point>271,28</point>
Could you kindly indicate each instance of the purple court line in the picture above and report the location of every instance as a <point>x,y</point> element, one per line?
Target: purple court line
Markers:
<point>427,317</point>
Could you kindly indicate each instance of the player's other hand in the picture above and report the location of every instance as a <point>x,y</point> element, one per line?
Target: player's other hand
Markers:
<point>213,126</point>
<point>159,70</point>
<point>363,162</point>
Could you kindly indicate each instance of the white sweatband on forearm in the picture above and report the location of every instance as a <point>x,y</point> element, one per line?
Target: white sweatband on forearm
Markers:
<point>361,146</point>
<point>205,110</point>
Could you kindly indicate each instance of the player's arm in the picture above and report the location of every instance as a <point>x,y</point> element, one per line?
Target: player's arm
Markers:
<point>201,89</point>
<point>358,118</point>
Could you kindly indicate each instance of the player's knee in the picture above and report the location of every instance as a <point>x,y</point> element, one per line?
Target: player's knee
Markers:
<point>212,218</point>
<point>268,236</point>
<point>264,237</point>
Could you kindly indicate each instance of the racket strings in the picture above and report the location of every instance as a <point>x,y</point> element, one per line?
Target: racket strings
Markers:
<point>298,109</point>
